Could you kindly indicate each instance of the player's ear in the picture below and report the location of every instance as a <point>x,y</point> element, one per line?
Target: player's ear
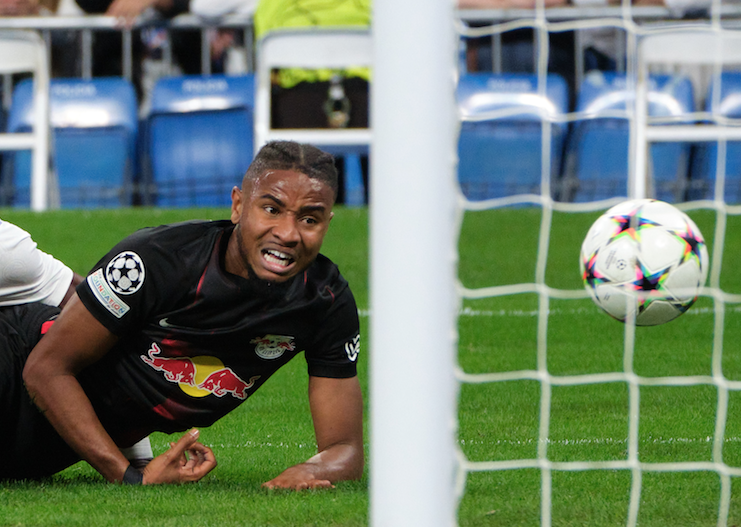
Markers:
<point>236,205</point>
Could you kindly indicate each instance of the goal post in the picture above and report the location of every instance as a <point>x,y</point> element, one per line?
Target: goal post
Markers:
<point>413,254</point>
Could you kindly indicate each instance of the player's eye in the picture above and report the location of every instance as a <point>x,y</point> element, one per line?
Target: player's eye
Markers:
<point>270,209</point>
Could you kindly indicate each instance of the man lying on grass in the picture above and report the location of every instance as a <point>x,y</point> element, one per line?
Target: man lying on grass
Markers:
<point>177,325</point>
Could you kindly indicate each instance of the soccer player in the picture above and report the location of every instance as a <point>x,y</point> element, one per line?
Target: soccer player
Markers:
<point>179,324</point>
<point>28,274</point>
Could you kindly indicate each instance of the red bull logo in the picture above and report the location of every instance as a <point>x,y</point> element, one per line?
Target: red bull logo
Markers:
<point>224,381</point>
<point>199,376</point>
<point>179,370</point>
<point>273,346</point>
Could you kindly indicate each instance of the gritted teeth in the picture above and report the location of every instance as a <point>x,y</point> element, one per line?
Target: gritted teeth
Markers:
<point>277,257</point>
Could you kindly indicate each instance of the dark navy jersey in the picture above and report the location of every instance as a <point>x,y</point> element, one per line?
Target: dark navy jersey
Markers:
<point>196,341</point>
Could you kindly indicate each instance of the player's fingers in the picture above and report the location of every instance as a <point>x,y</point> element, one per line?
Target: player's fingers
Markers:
<point>172,456</point>
<point>189,463</point>
<point>196,455</point>
<point>184,443</point>
<point>204,462</point>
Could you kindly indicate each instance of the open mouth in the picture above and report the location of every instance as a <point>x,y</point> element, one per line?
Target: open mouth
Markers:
<point>277,258</point>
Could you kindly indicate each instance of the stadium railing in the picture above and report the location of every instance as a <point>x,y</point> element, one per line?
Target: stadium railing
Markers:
<point>506,19</point>
<point>88,26</point>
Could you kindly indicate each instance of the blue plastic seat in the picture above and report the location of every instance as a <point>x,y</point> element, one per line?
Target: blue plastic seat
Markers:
<point>503,156</point>
<point>199,139</point>
<point>702,183</point>
<point>597,155</point>
<point>94,130</point>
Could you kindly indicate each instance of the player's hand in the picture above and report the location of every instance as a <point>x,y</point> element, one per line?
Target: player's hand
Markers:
<point>127,11</point>
<point>185,461</point>
<point>298,477</point>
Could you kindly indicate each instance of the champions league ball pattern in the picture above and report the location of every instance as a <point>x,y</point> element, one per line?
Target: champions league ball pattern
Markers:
<point>125,273</point>
<point>646,255</point>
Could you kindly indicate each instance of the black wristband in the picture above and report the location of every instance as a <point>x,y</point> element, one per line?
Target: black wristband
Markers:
<point>132,476</point>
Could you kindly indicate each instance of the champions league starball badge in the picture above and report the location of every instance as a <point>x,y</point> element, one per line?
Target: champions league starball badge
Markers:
<point>125,273</point>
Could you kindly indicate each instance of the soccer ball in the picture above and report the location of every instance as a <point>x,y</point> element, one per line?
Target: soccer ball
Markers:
<point>125,273</point>
<point>644,256</point>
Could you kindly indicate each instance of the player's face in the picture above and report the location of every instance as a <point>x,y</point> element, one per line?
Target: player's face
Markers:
<point>281,217</point>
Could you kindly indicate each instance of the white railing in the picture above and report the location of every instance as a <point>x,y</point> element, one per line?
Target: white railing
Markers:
<point>89,25</point>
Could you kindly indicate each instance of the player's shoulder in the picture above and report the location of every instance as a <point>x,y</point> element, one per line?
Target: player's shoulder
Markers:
<point>323,267</point>
<point>186,245</point>
<point>175,233</point>
<point>325,274</point>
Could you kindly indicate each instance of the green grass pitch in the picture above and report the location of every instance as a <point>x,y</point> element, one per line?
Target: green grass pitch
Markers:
<point>498,421</point>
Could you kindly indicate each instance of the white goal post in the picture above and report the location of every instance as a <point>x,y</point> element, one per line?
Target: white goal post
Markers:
<point>415,454</point>
<point>412,278</point>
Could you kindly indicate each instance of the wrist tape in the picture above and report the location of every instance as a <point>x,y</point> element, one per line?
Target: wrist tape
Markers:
<point>132,476</point>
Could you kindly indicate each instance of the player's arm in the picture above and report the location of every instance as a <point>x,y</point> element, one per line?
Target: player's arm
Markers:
<point>75,341</point>
<point>76,280</point>
<point>337,411</point>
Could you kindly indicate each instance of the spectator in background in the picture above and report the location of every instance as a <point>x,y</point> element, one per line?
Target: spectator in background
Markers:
<point>602,46</point>
<point>147,44</point>
<point>518,52</point>
<point>129,10</point>
<point>63,58</point>
<point>228,52</point>
<point>28,7</point>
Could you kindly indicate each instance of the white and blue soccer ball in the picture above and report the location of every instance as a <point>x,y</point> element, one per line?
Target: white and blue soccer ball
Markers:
<point>646,257</point>
<point>125,273</point>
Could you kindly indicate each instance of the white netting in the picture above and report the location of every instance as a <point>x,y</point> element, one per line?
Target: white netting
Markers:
<point>634,29</point>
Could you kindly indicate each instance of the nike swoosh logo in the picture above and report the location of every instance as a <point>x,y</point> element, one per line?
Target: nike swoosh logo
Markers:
<point>165,324</point>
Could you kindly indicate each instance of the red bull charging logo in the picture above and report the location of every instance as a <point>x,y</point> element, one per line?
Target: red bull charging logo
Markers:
<point>199,376</point>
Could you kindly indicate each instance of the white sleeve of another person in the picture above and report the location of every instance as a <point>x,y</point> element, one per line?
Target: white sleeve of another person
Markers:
<point>28,274</point>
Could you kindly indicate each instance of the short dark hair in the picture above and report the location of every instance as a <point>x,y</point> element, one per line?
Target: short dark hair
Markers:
<point>289,155</point>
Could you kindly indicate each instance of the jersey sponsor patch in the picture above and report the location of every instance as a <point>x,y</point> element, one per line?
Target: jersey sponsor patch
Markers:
<point>102,291</point>
<point>125,273</point>
<point>352,348</point>
<point>273,346</point>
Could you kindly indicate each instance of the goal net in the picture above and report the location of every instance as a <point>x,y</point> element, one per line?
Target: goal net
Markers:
<point>565,416</point>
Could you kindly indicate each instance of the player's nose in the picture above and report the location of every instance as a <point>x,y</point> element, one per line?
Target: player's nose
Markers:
<point>286,229</point>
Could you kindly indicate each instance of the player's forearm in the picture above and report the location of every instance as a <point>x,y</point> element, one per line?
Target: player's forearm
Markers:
<point>68,409</point>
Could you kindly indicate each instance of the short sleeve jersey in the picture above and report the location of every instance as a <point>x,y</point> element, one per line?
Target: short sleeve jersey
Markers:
<point>28,274</point>
<point>196,341</point>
